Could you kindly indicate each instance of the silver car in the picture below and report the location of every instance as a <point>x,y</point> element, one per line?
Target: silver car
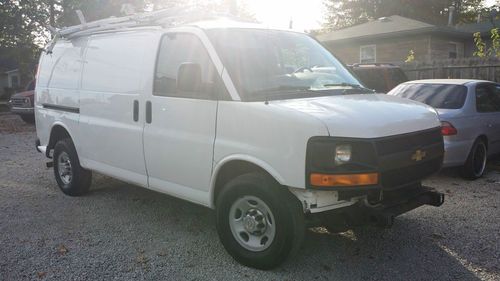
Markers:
<point>470,117</point>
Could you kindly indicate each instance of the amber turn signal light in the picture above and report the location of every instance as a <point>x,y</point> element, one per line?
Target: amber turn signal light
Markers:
<point>325,180</point>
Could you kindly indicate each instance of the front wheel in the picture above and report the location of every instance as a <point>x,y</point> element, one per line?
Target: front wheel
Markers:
<point>476,161</point>
<point>30,119</point>
<point>72,179</point>
<point>259,222</point>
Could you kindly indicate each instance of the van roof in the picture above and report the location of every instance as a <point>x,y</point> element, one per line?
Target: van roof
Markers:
<point>226,22</point>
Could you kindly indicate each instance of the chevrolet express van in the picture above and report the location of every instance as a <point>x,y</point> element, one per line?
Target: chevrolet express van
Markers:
<point>264,126</point>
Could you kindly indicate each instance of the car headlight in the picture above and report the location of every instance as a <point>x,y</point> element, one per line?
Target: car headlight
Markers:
<point>337,162</point>
<point>343,154</point>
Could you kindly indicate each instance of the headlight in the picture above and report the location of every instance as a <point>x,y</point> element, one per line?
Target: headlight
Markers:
<point>343,154</point>
<point>335,161</point>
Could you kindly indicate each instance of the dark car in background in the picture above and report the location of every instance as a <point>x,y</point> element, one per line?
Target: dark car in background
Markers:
<point>381,77</point>
<point>22,103</point>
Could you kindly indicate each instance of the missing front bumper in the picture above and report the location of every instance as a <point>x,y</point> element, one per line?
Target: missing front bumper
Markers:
<point>382,213</point>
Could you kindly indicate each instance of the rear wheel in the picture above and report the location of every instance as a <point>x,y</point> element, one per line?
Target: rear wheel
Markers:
<point>259,222</point>
<point>72,179</point>
<point>30,119</point>
<point>476,161</point>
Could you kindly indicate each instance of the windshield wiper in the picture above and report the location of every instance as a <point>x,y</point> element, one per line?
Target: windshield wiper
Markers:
<point>353,86</point>
<point>284,88</point>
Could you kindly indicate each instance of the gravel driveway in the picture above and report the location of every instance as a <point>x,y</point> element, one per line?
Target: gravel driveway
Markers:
<point>122,232</point>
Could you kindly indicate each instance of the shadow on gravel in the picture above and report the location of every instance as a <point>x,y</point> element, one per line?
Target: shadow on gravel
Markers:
<point>406,252</point>
<point>410,250</point>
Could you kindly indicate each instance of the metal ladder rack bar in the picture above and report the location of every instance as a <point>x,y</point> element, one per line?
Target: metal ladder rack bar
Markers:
<point>165,18</point>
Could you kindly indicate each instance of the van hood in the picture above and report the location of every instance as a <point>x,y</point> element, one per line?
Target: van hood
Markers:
<point>366,115</point>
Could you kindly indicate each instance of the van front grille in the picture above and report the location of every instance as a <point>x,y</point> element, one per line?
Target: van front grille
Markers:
<point>409,158</point>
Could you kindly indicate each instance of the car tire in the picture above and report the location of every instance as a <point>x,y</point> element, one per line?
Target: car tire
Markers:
<point>73,180</point>
<point>475,164</point>
<point>259,223</point>
<point>30,119</point>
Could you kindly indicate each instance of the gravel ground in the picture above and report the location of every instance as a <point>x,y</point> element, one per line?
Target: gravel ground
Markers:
<point>122,232</point>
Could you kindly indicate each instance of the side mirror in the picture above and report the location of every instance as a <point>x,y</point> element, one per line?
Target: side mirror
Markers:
<point>189,77</point>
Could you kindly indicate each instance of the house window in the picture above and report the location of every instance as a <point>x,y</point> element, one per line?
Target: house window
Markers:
<point>368,54</point>
<point>452,50</point>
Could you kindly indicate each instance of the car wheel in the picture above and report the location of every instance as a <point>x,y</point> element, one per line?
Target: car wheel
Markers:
<point>70,176</point>
<point>476,161</point>
<point>259,223</point>
<point>30,119</point>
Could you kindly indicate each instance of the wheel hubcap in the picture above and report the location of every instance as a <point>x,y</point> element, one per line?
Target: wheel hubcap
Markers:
<point>252,223</point>
<point>64,168</point>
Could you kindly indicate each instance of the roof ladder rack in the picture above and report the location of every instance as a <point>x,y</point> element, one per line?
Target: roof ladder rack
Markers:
<point>165,17</point>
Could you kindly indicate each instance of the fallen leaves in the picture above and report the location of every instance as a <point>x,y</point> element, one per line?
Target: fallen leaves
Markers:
<point>62,250</point>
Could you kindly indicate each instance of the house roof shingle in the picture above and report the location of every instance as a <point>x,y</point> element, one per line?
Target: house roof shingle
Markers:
<point>483,27</point>
<point>387,26</point>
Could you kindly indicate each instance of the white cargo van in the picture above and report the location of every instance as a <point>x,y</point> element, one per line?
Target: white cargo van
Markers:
<point>264,126</point>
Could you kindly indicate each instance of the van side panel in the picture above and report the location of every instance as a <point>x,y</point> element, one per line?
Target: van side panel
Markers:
<point>57,94</point>
<point>112,83</point>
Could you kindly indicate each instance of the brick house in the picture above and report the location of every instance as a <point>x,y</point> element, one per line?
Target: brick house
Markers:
<point>390,39</point>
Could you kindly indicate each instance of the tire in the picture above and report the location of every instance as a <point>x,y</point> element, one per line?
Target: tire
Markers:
<point>476,161</point>
<point>30,119</point>
<point>72,179</point>
<point>255,207</point>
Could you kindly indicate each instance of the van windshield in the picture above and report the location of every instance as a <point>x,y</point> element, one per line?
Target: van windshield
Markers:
<point>271,64</point>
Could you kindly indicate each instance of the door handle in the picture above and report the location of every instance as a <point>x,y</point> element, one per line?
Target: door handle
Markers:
<point>148,112</point>
<point>136,110</point>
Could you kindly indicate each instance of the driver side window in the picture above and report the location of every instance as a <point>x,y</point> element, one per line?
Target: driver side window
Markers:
<point>176,50</point>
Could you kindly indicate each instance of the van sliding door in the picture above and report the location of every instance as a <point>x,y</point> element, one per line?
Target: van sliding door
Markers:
<point>111,93</point>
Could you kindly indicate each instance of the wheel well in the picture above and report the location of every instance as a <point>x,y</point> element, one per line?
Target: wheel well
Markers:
<point>232,169</point>
<point>484,138</point>
<point>58,133</point>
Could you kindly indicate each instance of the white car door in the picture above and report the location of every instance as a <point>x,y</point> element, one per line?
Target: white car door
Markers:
<point>180,125</point>
<point>111,93</point>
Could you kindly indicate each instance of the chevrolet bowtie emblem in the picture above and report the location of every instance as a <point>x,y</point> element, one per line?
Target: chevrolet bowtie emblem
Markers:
<point>418,155</point>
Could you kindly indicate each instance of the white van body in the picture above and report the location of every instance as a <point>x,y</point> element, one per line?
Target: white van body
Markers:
<point>91,87</point>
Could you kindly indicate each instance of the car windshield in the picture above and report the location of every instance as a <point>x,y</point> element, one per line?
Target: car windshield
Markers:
<point>436,95</point>
<point>270,64</point>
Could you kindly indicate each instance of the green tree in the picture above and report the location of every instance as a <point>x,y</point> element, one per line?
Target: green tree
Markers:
<point>21,29</point>
<point>344,13</point>
<point>482,49</point>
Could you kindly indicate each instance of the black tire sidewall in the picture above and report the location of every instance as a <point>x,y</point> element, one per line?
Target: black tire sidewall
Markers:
<point>468,170</point>
<point>30,119</point>
<point>265,190</point>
